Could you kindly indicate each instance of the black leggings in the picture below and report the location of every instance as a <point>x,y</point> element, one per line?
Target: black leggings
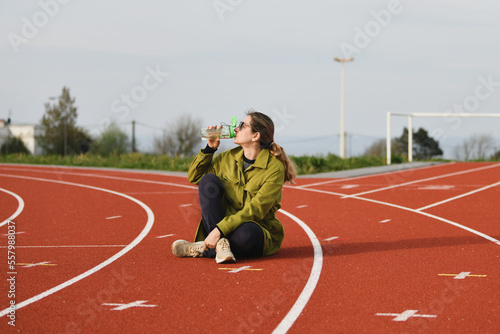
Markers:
<point>247,240</point>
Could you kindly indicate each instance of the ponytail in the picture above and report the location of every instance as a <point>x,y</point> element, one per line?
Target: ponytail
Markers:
<point>290,169</point>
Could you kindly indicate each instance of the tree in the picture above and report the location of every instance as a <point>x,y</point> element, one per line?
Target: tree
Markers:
<point>477,147</point>
<point>181,138</point>
<point>495,156</point>
<point>111,141</point>
<point>377,149</point>
<point>424,147</point>
<point>60,133</point>
<point>14,145</point>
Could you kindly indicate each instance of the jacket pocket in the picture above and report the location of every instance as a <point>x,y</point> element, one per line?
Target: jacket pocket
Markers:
<point>251,188</point>
<point>234,191</point>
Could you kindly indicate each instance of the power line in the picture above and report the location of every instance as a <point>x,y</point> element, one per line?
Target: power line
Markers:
<point>149,126</point>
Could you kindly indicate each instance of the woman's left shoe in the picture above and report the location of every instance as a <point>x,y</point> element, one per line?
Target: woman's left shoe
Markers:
<point>223,252</point>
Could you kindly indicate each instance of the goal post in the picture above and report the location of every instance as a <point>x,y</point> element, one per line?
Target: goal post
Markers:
<point>410,127</point>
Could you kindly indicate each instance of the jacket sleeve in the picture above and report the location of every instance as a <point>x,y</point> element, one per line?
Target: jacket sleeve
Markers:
<point>259,206</point>
<point>201,165</point>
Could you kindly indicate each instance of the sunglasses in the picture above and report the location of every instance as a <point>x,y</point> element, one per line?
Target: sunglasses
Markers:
<point>242,125</point>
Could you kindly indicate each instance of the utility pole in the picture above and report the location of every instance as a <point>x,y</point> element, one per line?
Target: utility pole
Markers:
<point>133,136</point>
<point>65,139</point>
<point>342,131</point>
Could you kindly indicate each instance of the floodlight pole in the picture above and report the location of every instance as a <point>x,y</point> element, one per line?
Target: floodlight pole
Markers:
<point>342,131</point>
<point>388,138</point>
<point>133,136</point>
<point>410,138</point>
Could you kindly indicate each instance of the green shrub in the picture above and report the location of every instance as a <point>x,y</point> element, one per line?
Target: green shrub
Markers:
<point>305,164</point>
<point>14,145</point>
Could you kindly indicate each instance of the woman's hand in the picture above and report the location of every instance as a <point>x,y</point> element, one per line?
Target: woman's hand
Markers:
<point>214,142</point>
<point>211,239</point>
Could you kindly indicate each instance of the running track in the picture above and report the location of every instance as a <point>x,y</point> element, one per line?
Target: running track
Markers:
<point>405,252</point>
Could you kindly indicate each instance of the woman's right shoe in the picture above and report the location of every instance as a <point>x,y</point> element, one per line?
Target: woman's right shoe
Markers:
<point>183,248</point>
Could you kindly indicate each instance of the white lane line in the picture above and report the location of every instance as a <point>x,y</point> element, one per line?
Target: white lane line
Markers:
<point>113,217</point>
<point>121,306</point>
<point>42,168</point>
<point>330,239</point>
<point>111,177</point>
<point>323,182</point>
<point>385,221</point>
<point>436,187</point>
<point>482,235</point>
<point>164,236</point>
<point>135,242</point>
<point>237,270</point>
<point>68,246</point>
<point>349,186</point>
<point>29,265</point>
<point>406,315</point>
<point>157,192</point>
<point>367,176</point>
<point>459,196</point>
<point>308,290</point>
<point>15,233</point>
<point>462,275</point>
<point>422,180</point>
<point>20,206</point>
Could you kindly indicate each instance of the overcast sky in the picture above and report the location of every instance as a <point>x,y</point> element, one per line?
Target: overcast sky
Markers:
<point>153,61</point>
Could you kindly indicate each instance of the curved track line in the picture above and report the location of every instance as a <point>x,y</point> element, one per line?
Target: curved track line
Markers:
<point>482,235</point>
<point>135,242</point>
<point>308,290</point>
<point>306,293</point>
<point>112,178</point>
<point>19,208</point>
<point>6,166</point>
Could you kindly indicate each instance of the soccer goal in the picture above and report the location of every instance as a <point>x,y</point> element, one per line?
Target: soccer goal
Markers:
<point>410,127</point>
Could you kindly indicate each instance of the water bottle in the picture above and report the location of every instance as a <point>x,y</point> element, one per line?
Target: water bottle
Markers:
<point>224,131</point>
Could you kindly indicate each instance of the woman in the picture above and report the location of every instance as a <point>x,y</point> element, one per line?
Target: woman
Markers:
<point>240,191</point>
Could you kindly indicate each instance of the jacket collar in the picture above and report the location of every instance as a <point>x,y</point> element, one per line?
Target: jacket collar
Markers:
<point>260,162</point>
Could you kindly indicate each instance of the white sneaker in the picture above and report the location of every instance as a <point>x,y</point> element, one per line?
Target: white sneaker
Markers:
<point>183,248</point>
<point>223,252</point>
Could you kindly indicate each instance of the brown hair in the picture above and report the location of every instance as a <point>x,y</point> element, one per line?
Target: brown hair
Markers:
<point>264,125</point>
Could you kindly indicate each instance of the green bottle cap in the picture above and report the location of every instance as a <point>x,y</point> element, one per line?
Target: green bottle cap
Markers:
<point>232,134</point>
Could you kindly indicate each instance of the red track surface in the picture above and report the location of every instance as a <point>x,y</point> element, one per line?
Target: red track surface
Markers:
<point>358,252</point>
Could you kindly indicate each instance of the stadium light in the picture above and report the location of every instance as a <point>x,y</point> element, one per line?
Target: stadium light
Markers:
<point>342,61</point>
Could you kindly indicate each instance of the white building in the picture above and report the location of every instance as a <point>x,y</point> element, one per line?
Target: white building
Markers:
<point>28,133</point>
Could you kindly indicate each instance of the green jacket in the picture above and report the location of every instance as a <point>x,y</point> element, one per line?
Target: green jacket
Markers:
<point>251,195</point>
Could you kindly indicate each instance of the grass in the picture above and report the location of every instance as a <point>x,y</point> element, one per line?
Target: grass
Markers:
<point>305,164</point>
<point>130,160</point>
<point>331,163</point>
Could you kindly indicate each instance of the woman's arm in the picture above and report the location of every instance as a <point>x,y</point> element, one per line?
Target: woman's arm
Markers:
<point>211,239</point>
<point>202,163</point>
